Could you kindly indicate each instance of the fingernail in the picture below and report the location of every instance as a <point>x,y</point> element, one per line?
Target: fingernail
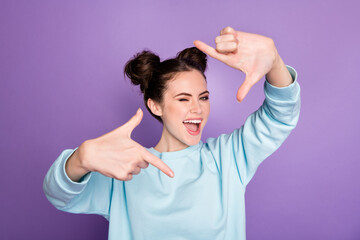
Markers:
<point>138,111</point>
<point>171,174</point>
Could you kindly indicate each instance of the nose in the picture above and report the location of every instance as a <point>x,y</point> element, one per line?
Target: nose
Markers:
<point>195,107</point>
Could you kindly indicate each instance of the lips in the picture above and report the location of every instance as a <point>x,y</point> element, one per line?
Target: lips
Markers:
<point>193,126</point>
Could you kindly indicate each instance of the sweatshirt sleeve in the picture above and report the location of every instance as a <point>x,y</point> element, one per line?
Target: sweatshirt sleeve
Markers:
<point>263,131</point>
<point>90,195</point>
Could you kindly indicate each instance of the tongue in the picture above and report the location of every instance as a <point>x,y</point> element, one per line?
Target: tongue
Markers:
<point>192,126</point>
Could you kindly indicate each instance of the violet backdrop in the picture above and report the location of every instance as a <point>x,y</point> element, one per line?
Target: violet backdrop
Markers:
<point>61,82</point>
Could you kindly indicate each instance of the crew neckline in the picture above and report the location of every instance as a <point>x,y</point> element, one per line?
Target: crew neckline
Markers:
<point>175,154</point>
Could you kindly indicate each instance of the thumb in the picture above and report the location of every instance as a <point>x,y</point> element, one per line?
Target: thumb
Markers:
<point>133,122</point>
<point>244,88</point>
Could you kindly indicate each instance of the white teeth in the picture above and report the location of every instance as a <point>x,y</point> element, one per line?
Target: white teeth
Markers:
<point>192,121</point>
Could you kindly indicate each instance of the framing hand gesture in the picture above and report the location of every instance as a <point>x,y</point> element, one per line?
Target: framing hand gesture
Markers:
<point>252,54</point>
<point>115,155</point>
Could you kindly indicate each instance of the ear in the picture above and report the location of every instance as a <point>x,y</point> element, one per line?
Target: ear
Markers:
<point>155,107</point>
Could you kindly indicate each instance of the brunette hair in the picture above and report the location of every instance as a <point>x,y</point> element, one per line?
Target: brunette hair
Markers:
<point>146,69</point>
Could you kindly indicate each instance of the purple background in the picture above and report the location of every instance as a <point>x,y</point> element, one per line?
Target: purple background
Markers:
<point>62,83</point>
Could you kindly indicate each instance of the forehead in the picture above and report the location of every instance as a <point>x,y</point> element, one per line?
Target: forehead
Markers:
<point>192,82</point>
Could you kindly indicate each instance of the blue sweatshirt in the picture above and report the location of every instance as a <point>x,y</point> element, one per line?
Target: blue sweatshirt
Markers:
<point>206,198</point>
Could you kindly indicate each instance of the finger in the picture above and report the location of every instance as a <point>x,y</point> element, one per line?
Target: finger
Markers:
<point>244,89</point>
<point>225,38</point>
<point>129,126</point>
<point>209,50</point>
<point>143,164</point>
<point>156,162</point>
<point>136,171</point>
<point>129,177</point>
<point>226,47</point>
<point>133,122</point>
<point>227,30</point>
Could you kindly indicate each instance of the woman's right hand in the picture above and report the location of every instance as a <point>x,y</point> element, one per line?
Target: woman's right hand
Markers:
<point>114,154</point>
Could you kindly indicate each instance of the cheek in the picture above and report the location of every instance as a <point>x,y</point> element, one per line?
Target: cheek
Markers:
<point>174,113</point>
<point>206,115</point>
<point>177,110</point>
<point>207,109</point>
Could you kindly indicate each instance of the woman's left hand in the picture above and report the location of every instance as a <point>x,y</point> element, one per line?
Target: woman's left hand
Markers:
<point>253,54</point>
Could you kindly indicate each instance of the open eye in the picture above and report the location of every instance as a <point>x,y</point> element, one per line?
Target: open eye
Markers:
<point>205,98</point>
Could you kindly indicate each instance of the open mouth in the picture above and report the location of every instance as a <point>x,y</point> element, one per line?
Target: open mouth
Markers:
<point>193,126</point>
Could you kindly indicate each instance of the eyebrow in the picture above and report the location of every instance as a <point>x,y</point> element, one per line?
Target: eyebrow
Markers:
<point>188,94</point>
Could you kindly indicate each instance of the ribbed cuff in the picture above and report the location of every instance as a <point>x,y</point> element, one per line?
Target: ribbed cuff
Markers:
<point>288,93</point>
<point>65,181</point>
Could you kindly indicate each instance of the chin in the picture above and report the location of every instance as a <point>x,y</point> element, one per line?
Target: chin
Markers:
<point>194,141</point>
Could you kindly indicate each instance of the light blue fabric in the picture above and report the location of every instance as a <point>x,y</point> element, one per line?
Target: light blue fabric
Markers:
<point>206,198</point>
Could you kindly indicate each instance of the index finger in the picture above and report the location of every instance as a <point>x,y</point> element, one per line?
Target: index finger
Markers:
<point>156,162</point>
<point>209,50</point>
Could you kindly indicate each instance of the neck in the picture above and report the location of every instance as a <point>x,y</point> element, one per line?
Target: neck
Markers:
<point>168,143</point>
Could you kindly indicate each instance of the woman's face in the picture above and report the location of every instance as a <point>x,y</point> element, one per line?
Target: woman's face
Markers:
<point>185,109</point>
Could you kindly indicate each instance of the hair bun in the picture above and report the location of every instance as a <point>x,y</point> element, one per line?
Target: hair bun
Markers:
<point>193,56</point>
<point>141,67</point>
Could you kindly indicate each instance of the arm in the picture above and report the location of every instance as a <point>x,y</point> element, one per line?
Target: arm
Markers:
<point>74,167</point>
<point>262,133</point>
<point>279,75</point>
<point>80,180</point>
<point>266,129</point>
<point>91,194</point>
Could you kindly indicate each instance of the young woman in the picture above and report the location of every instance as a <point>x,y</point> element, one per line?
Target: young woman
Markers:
<point>202,194</point>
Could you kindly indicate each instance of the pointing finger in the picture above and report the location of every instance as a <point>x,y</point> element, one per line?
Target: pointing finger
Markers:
<point>156,162</point>
<point>209,50</point>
